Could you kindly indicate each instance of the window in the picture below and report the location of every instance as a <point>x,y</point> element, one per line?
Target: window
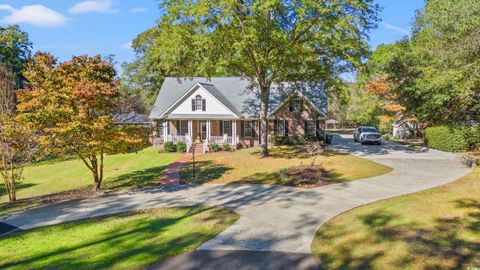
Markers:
<point>198,103</point>
<point>247,129</point>
<point>310,128</point>
<point>280,128</point>
<point>160,130</point>
<point>227,128</point>
<point>183,127</point>
<point>296,104</point>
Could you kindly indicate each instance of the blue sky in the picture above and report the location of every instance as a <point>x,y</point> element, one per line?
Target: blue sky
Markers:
<point>75,27</point>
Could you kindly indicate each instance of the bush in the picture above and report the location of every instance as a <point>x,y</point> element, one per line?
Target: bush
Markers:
<point>170,147</point>
<point>226,147</point>
<point>214,147</point>
<point>298,140</point>
<point>446,138</point>
<point>181,147</point>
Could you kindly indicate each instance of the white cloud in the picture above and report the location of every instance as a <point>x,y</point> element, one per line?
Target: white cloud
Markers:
<point>139,10</point>
<point>395,28</point>
<point>127,45</point>
<point>38,15</point>
<point>103,6</point>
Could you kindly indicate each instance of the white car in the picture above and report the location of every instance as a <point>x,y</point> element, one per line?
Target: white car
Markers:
<point>366,134</point>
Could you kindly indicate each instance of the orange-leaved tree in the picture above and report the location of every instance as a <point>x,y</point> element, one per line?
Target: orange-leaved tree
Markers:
<point>382,87</point>
<point>70,105</point>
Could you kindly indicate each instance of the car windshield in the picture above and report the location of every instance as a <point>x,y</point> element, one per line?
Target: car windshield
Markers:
<point>369,130</point>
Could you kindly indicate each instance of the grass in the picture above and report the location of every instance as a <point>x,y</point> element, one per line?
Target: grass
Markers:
<point>125,171</point>
<point>124,241</point>
<point>433,229</point>
<point>246,166</point>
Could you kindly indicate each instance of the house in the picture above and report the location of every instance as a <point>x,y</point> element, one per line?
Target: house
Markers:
<point>128,119</point>
<point>402,128</point>
<point>225,110</point>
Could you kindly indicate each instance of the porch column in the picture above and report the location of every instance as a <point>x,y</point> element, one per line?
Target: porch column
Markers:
<point>190,129</point>
<point>209,129</point>
<point>234,132</point>
<point>165,130</point>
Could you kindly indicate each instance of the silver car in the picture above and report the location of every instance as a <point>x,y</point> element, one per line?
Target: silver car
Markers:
<point>366,134</point>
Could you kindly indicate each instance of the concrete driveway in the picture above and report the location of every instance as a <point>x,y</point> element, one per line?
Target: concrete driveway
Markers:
<point>273,218</point>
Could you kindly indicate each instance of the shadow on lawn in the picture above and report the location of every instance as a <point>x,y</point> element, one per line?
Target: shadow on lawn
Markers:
<point>129,244</point>
<point>205,171</point>
<point>441,246</point>
<point>296,151</point>
<point>20,186</point>
<point>136,179</point>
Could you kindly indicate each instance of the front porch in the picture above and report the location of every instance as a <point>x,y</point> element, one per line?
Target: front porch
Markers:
<point>203,132</point>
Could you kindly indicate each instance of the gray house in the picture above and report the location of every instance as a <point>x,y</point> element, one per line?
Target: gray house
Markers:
<point>226,110</point>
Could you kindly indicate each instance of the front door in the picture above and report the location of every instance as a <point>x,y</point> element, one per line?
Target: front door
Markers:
<point>203,129</point>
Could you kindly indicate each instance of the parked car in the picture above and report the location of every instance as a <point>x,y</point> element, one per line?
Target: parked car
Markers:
<point>365,134</point>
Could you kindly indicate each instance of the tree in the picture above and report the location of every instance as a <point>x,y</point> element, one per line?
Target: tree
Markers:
<point>265,41</point>
<point>434,75</point>
<point>7,90</point>
<point>15,50</point>
<point>17,146</point>
<point>69,104</point>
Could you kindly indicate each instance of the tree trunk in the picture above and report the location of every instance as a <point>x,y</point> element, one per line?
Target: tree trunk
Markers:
<point>265,95</point>
<point>96,176</point>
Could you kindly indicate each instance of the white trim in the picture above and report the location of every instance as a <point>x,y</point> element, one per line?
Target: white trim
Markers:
<point>197,85</point>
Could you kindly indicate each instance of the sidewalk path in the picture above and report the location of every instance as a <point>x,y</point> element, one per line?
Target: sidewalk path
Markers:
<point>273,218</point>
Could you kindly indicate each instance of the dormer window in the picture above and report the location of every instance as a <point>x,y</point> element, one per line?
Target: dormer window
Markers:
<point>296,104</point>
<point>198,103</point>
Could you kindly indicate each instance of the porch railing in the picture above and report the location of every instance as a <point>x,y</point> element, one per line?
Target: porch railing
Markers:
<point>221,139</point>
<point>176,138</point>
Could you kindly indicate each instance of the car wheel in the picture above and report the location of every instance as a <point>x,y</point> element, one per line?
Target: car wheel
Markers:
<point>379,143</point>
<point>361,141</point>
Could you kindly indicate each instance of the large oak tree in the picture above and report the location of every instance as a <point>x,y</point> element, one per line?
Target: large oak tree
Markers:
<point>265,41</point>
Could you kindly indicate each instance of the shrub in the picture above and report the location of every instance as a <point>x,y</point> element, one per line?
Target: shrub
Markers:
<point>473,138</point>
<point>214,147</point>
<point>170,147</point>
<point>226,147</point>
<point>447,138</point>
<point>297,140</point>
<point>181,147</point>
<point>285,140</point>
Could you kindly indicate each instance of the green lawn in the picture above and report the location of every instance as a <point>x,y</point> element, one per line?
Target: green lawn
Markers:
<point>125,241</point>
<point>433,229</point>
<point>125,171</point>
<point>246,166</point>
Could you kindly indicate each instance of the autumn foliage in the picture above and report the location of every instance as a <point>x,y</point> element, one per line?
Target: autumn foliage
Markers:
<point>69,105</point>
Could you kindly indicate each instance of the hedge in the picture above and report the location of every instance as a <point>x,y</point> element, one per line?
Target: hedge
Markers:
<point>447,138</point>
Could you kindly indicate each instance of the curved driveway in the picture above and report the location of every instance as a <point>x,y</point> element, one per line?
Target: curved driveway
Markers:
<point>273,218</point>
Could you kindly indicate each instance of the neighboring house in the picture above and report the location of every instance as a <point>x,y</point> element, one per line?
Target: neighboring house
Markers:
<point>131,119</point>
<point>403,129</point>
<point>226,110</point>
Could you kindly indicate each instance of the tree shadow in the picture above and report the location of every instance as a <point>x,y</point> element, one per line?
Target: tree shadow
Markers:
<point>441,245</point>
<point>128,245</point>
<point>136,179</point>
<point>205,171</point>
<point>20,186</point>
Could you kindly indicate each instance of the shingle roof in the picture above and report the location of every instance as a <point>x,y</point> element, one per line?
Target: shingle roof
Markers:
<point>131,119</point>
<point>236,93</point>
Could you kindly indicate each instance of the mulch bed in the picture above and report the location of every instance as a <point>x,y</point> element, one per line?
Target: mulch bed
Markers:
<point>308,176</point>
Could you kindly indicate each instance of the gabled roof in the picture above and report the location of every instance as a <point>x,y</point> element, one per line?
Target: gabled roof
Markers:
<point>237,94</point>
